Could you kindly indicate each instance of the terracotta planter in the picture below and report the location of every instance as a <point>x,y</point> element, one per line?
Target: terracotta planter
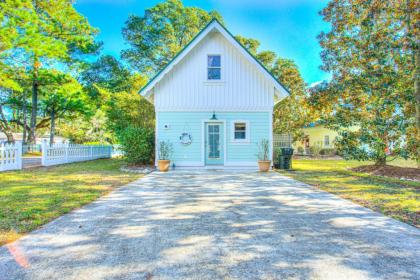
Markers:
<point>163,165</point>
<point>264,165</point>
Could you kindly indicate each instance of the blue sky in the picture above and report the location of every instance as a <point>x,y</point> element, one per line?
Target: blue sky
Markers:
<point>288,27</point>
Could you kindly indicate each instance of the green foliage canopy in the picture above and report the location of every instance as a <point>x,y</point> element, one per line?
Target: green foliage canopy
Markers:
<point>369,88</point>
<point>161,33</point>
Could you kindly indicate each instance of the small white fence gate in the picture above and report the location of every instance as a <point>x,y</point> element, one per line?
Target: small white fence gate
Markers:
<point>65,153</point>
<point>10,156</point>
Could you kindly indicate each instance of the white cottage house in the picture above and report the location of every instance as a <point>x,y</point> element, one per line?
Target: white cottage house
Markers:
<point>214,102</point>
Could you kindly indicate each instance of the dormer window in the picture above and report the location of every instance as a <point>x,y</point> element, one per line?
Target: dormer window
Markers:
<point>214,67</point>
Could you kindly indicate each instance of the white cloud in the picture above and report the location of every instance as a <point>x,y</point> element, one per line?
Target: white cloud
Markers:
<point>315,84</point>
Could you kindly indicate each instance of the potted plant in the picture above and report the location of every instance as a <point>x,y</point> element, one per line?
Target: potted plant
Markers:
<point>165,152</point>
<point>264,161</point>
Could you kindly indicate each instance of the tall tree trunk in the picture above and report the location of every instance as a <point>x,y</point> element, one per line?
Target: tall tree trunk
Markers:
<point>24,117</point>
<point>52,128</point>
<point>380,161</point>
<point>35,88</point>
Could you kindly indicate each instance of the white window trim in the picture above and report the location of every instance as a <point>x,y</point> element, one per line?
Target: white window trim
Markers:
<point>329,141</point>
<point>247,132</point>
<point>220,81</point>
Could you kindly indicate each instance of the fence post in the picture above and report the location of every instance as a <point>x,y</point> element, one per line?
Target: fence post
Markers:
<point>91,152</point>
<point>66,152</point>
<point>44,152</point>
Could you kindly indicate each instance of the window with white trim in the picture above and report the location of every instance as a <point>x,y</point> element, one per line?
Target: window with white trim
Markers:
<point>326,140</point>
<point>214,67</point>
<point>240,131</point>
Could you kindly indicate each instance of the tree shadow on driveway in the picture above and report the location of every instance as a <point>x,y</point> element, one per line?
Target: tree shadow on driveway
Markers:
<point>217,225</point>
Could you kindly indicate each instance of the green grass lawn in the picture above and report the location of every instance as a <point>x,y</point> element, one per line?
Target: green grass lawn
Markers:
<point>30,198</point>
<point>393,197</point>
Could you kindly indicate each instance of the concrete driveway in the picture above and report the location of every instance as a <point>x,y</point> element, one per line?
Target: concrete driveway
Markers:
<point>217,225</point>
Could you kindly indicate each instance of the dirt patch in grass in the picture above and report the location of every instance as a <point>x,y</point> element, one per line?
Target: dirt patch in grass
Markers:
<point>390,171</point>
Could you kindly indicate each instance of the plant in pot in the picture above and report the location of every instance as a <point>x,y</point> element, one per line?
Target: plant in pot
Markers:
<point>264,161</point>
<point>164,153</point>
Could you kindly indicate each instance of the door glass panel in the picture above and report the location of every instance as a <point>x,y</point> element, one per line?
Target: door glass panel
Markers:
<point>214,141</point>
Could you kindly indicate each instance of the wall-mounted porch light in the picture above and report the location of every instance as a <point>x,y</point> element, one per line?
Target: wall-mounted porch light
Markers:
<point>213,118</point>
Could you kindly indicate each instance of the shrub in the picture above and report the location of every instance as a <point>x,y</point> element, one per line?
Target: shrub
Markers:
<point>137,144</point>
<point>276,152</point>
<point>327,152</point>
<point>165,150</point>
<point>300,150</point>
<point>315,149</point>
<point>95,143</point>
<point>263,149</point>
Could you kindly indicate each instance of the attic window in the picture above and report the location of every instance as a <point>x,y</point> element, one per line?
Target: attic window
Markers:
<point>214,67</point>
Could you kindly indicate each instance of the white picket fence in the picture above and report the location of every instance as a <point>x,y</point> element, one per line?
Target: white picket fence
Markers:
<point>65,153</point>
<point>10,156</point>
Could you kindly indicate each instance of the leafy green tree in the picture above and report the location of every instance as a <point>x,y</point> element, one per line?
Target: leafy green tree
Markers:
<point>366,89</point>
<point>268,58</point>
<point>128,108</point>
<point>406,15</point>
<point>108,73</point>
<point>5,125</point>
<point>250,44</point>
<point>293,112</point>
<point>114,90</point>
<point>65,100</point>
<point>161,33</point>
<point>84,128</point>
<point>13,18</point>
<point>44,33</point>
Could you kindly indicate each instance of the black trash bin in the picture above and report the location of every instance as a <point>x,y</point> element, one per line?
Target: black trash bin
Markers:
<point>284,158</point>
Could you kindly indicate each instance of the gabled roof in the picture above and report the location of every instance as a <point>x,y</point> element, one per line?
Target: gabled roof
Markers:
<point>280,91</point>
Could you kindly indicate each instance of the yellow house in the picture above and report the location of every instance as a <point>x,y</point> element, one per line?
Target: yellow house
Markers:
<point>315,136</point>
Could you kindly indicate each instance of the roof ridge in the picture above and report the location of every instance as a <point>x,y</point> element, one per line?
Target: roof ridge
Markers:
<point>214,19</point>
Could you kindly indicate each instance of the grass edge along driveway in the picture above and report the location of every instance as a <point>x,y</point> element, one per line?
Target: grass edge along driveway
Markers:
<point>392,197</point>
<point>33,197</point>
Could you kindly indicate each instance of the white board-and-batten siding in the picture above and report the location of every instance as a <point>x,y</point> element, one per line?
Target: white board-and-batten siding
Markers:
<point>242,87</point>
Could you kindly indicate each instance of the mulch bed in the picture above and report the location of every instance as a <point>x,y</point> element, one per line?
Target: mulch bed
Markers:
<point>141,169</point>
<point>326,157</point>
<point>404,173</point>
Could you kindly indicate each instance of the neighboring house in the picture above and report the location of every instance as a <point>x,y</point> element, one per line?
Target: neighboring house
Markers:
<point>214,102</point>
<point>315,135</point>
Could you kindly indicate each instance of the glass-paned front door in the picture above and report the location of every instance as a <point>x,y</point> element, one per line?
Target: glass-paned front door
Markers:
<point>214,143</point>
